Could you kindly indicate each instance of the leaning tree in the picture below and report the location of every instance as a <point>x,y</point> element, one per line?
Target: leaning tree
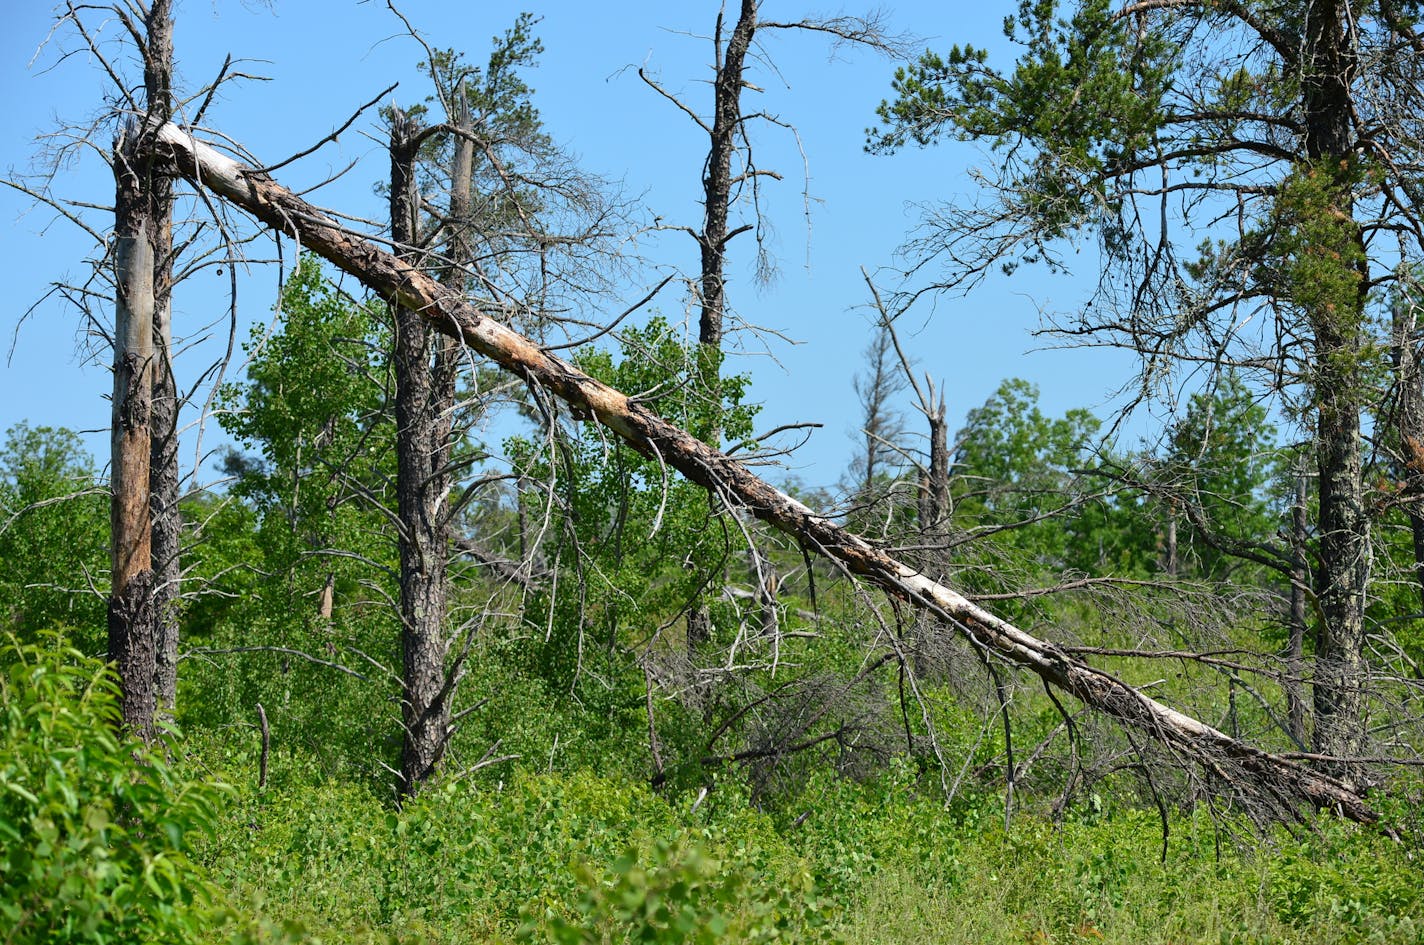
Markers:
<point>1258,776</point>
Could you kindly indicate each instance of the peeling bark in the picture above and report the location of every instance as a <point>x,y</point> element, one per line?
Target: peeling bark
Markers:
<point>1255,774</point>
<point>131,638</point>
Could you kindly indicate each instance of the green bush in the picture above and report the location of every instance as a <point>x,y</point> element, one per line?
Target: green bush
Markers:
<point>94,830</point>
<point>673,894</point>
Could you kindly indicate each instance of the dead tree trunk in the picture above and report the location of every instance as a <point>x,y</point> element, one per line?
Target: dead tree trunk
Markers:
<point>422,487</point>
<point>1409,426</point>
<point>1256,775</point>
<point>131,597</point>
<point>1295,646</point>
<point>936,503</point>
<point>717,183</point>
<point>935,507</point>
<point>166,520</point>
<point>718,192</point>
<point>1171,564</point>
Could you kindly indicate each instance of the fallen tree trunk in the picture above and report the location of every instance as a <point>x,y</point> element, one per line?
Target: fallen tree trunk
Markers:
<point>1254,774</point>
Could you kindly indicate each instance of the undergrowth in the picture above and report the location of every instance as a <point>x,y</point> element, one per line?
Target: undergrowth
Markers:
<point>104,842</point>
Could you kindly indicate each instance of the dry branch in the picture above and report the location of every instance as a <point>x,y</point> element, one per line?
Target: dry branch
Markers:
<point>1256,775</point>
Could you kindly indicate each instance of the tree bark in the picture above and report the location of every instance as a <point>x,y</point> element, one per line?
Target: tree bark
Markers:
<point>717,182</point>
<point>166,519</point>
<point>1256,774</point>
<point>935,507</point>
<point>1409,426</point>
<point>1295,646</point>
<point>1337,328</point>
<point>131,598</point>
<point>422,489</point>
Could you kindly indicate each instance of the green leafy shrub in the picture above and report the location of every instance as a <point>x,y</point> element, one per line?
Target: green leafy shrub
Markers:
<point>673,893</point>
<point>94,830</point>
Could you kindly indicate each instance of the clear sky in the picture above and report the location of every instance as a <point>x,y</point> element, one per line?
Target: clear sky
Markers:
<point>325,58</point>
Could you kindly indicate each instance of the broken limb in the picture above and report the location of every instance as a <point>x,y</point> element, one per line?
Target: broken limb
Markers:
<point>1256,776</point>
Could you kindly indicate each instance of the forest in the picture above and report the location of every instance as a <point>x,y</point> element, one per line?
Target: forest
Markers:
<point>502,614</point>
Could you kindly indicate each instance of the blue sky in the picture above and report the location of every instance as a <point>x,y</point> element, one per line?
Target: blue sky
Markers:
<point>325,58</point>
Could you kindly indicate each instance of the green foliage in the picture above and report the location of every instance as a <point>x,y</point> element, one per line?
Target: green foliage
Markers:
<point>1083,99</point>
<point>1016,466</point>
<point>54,537</point>
<point>648,541</point>
<point>583,858</point>
<point>670,894</point>
<point>917,872</point>
<point>312,416</point>
<point>517,860</point>
<point>313,407</point>
<point>1315,257</point>
<point>513,194</point>
<point>95,831</point>
<point>498,97</point>
<point>1223,457</point>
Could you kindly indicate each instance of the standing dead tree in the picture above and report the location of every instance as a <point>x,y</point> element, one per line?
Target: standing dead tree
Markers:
<point>424,401</point>
<point>138,265</point>
<point>506,187</point>
<point>143,628</point>
<point>131,598</point>
<point>166,518</point>
<point>1263,779</point>
<point>935,501</point>
<point>730,175</point>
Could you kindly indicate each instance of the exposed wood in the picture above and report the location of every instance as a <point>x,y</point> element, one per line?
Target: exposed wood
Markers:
<point>1252,772</point>
<point>935,498</point>
<point>326,599</point>
<point>131,639</point>
<point>266,747</point>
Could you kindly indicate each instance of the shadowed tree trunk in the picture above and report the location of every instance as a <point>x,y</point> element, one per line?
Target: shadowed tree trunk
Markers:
<point>1409,425</point>
<point>163,471</point>
<point>1334,308</point>
<point>423,400</point>
<point>1253,774</point>
<point>1295,645</point>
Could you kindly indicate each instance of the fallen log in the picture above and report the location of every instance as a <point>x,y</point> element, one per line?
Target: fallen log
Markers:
<point>1278,782</point>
